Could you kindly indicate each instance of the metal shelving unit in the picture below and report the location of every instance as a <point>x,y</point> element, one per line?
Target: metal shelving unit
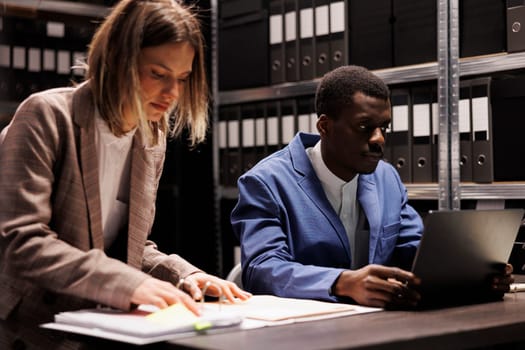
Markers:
<point>449,67</point>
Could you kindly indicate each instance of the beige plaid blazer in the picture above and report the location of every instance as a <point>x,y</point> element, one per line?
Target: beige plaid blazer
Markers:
<point>51,241</point>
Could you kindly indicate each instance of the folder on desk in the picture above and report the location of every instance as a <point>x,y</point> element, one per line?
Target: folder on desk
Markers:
<point>400,142</point>
<point>291,40</point>
<point>148,324</point>
<point>483,169</point>
<point>276,41</point>
<point>322,37</point>
<point>370,43</point>
<point>465,133</point>
<point>144,325</point>
<point>338,42</point>
<point>306,40</point>
<point>421,134</point>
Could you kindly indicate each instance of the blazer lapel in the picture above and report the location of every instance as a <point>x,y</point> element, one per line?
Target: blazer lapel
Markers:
<point>84,115</point>
<point>142,194</point>
<point>367,197</point>
<point>311,185</point>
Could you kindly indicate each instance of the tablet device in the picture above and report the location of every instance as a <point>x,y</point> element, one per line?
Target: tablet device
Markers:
<point>460,251</point>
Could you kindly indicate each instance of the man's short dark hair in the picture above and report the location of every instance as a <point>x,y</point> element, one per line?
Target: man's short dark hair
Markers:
<point>337,88</point>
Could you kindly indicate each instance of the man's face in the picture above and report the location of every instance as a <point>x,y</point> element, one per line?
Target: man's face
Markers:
<point>353,142</point>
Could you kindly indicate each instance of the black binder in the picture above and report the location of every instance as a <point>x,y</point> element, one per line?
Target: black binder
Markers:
<point>248,149</point>
<point>291,39</point>
<point>322,37</point>
<point>465,132</point>
<point>261,149</point>
<point>400,142</point>
<point>435,134</point>
<point>508,104</point>
<point>415,31</point>
<point>421,134</point>
<point>276,42</point>
<point>481,27</point>
<point>370,33</point>
<point>306,118</point>
<point>273,116</point>
<point>515,26</point>
<point>483,169</point>
<point>306,40</point>
<point>288,120</point>
<point>338,26</point>
<point>230,155</point>
<point>243,48</point>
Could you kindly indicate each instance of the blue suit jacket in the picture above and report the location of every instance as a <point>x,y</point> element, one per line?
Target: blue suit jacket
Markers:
<point>293,243</point>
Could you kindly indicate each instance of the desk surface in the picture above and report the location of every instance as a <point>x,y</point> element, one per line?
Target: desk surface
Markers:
<point>470,326</point>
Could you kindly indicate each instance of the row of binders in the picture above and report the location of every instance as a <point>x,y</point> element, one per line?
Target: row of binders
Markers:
<point>272,42</point>
<point>37,54</point>
<point>490,125</point>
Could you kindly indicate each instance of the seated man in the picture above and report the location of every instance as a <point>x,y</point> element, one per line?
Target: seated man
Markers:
<point>325,218</point>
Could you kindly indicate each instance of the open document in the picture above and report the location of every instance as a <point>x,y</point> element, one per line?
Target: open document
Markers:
<point>148,325</point>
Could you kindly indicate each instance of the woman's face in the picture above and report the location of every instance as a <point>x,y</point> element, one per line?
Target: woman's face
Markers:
<point>163,70</point>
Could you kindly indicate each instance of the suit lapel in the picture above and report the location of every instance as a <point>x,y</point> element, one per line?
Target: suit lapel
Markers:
<point>141,199</point>
<point>84,117</point>
<point>311,185</point>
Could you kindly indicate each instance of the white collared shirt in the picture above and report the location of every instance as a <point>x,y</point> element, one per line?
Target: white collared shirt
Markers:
<point>341,195</point>
<point>114,166</point>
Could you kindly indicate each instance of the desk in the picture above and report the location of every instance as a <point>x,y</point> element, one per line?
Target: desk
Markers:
<point>471,326</point>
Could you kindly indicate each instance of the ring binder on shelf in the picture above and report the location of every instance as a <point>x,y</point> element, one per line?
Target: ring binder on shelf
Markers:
<point>288,116</point>
<point>244,42</point>
<point>465,133</point>
<point>399,138</point>
<point>291,41</point>
<point>338,44</point>
<point>508,104</point>
<point>515,25</point>
<point>483,169</point>
<point>304,111</point>
<point>322,37</point>
<point>421,134</point>
<point>306,40</point>
<point>370,33</point>
<point>248,151</point>
<point>415,31</point>
<point>481,27</point>
<point>276,42</point>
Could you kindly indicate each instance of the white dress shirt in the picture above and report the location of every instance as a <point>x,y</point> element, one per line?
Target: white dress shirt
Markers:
<point>114,166</point>
<point>341,195</point>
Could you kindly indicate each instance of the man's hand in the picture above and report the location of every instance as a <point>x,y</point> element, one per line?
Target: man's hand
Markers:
<point>378,286</point>
<point>501,282</point>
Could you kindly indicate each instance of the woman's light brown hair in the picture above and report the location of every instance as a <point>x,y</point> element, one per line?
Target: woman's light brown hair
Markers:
<point>113,67</point>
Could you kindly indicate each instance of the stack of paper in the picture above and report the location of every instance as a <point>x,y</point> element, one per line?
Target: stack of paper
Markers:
<point>148,324</point>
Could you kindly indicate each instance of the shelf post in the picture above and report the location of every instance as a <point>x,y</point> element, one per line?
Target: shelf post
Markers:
<point>448,99</point>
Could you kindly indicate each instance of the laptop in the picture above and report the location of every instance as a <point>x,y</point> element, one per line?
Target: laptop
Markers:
<point>460,251</point>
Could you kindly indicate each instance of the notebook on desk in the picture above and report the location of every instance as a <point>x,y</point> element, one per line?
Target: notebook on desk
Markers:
<point>459,252</point>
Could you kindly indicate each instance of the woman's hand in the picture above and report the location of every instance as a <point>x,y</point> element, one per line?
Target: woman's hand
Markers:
<point>162,294</point>
<point>213,286</point>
